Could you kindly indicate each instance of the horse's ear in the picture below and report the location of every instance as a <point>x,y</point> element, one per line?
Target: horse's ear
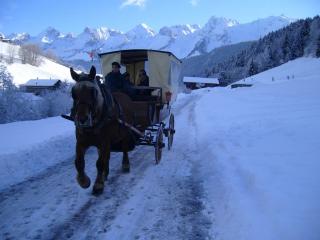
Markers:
<point>74,75</point>
<point>92,73</point>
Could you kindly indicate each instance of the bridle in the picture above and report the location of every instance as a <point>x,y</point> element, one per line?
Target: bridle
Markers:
<point>94,121</point>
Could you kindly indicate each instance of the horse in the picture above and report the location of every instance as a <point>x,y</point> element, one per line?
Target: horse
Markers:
<point>96,118</point>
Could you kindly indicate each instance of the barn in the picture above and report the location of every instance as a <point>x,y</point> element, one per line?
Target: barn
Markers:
<point>38,86</point>
<point>199,82</point>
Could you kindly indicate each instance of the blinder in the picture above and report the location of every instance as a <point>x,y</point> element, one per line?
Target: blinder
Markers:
<point>91,106</point>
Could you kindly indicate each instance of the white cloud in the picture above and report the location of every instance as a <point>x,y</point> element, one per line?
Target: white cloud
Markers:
<point>138,3</point>
<point>194,2</point>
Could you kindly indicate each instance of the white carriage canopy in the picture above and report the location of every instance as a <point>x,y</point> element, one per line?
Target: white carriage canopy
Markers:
<point>163,68</point>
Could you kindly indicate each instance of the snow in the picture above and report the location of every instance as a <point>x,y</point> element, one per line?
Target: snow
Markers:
<point>41,82</point>
<point>22,73</point>
<point>200,80</point>
<point>244,165</point>
<point>264,151</point>
<point>182,40</point>
<point>19,136</point>
<point>48,69</point>
<point>24,141</point>
<point>287,72</point>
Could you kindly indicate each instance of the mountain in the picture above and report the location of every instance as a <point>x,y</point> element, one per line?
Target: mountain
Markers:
<point>183,40</point>
<point>179,30</point>
<point>201,65</point>
<point>229,63</point>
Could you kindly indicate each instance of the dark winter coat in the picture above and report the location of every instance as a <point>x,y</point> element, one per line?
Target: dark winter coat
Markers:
<point>116,83</point>
<point>145,82</point>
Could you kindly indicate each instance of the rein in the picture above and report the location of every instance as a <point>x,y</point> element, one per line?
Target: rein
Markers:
<point>106,116</point>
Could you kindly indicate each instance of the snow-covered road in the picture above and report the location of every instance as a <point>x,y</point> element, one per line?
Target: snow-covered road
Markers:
<point>152,202</point>
<point>244,165</point>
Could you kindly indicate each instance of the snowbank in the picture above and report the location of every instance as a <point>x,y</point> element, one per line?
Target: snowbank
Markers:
<point>29,147</point>
<point>262,144</point>
<point>300,69</point>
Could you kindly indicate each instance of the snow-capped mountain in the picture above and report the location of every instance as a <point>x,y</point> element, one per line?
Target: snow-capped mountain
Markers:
<point>19,38</point>
<point>183,40</point>
<point>49,35</point>
<point>179,30</point>
<point>140,31</point>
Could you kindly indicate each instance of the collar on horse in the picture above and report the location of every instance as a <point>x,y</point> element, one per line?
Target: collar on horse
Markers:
<point>107,113</point>
<point>106,116</point>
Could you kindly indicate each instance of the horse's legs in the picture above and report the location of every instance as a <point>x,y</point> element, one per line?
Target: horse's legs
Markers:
<point>102,169</point>
<point>125,162</point>
<point>82,178</point>
<point>125,157</point>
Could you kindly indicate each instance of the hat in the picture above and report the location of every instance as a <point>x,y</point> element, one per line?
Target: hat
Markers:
<point>116,64</point>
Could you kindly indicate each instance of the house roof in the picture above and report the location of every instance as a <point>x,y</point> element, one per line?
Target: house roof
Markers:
<point>42,82</point>
<point>200,80</point>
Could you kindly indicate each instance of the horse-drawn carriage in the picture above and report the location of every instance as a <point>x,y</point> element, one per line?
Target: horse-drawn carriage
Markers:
<point>149,106</point>
<point>117,121</point>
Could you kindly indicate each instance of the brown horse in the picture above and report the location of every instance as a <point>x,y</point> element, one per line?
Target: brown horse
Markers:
<point>97,124</point>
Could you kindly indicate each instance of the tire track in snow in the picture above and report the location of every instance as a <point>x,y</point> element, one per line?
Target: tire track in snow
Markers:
<point>168,202</point>
<point>197,224</point>
<point>181,194</point>
<point>96,215</point>
<point>52,206</point>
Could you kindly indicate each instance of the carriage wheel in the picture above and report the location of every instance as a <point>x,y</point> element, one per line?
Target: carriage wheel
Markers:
<point>171,131</point>
<point>159,144</point>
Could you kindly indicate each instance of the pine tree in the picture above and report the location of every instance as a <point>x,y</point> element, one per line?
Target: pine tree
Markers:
<point>318,47</point>
<point>285,48</point>
<point>253,68</point>
<point>305,30</point>
<point>240,62</point>
<point>5,79</point>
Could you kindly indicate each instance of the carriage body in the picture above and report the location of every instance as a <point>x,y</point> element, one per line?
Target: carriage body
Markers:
<point>147,113</point>
<point>163,69</point>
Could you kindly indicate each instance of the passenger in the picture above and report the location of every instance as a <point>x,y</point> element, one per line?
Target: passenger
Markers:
<point>114,79</point>
<point>126,77</point>
<point>144,82</point>
<point>128,84</point>
<point>143,78</point>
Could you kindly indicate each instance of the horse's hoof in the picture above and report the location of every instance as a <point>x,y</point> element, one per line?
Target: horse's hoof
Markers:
<point>97,189</point>
<point>84,182</point>
<point>125,168</point>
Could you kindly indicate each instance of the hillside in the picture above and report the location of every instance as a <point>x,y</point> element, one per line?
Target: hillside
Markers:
<point>21,73</point>
<point>245,166</point>
<point>199,65</point>
<point>301,38</point>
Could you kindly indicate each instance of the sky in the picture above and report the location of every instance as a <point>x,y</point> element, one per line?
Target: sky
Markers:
<point>33,16</point>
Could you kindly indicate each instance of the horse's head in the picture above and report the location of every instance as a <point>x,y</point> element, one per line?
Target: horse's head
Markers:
<point>87,97</point>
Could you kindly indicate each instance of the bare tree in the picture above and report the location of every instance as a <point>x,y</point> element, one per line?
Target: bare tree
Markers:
<point>11,51</point>
<point>24,54</point>
<point>51,55</point>
<point>31,54</point>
